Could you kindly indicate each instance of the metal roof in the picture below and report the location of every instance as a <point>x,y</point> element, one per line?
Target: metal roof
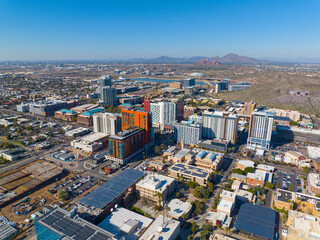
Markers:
<point>110,190</point>
<point>93,111</point>
<point>259,221</point>
<point>67,111</point>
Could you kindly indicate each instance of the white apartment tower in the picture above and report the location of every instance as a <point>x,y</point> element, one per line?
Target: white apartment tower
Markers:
<point>109,123</point>
<point>220,125</point>
<point>260,130</point>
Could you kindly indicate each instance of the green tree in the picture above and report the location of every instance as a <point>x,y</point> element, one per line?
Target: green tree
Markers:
<point>191,184</point>
<point>269,185</point>
<point>238,171</point>
<point>63,195</point>
<point>278,185</point>
<point>290,187</point>
<point>248,170</point>
<point>157,150</point>
<point>194,227</point>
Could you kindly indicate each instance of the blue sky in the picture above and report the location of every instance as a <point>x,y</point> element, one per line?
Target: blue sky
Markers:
<point>121,29</point>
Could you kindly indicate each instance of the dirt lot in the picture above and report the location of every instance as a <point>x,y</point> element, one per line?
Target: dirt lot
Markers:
<point>8,211</point>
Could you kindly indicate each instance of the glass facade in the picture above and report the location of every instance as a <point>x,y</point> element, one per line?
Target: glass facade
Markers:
<point>44,233</point>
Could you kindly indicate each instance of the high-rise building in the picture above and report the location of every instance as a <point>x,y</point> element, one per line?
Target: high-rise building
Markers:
<point>189,82</point>
<point>109,123</point>
<point>166,112</point>
<point>180,109</point>
<point>188,132</point>
<point>260,130</point>
<point>249,107</point>
<point>126,146</point>
<point>146,105</point>
<point>131,118</point>
<point>107,92</point>
<point>220,125</point>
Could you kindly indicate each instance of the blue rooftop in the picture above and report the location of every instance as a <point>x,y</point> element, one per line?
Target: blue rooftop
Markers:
<point>259,221</point>
<point>93,111</point>
<point>67,111</point>
<point>126,105</point>
<point>110,190</point>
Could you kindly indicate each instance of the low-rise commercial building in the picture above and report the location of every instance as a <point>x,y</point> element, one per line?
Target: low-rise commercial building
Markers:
<point>179,156</point>
<point>125,224</point>
<point>77,132</point>
<point>297,159</point>
<point>243,164</point>
<point>259,178</point>
<point>84,108</point>
<point>227,202</point>
<point>302,226</point>
<point>179,209</point>
<point>162,228</point>
<point>66,115</point>
<point>189,173</point>
<point>91,143</point>
<point>86,118</point>
<point>209,160</point>
<point>155,187</point>
<point>314,183</point>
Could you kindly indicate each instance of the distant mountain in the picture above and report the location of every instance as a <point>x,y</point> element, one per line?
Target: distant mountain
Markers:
<point>230,58</point>
<point>166,59</point>
<point>199,60</point>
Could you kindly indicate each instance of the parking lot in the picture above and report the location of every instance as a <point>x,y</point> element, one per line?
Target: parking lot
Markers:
<point>76,185</point>
<point>286,180</point>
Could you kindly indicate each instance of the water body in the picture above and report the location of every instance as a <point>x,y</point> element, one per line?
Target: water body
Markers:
<point>162,80</point>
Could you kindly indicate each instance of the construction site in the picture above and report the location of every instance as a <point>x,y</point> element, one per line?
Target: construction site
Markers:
<point>20,182</point>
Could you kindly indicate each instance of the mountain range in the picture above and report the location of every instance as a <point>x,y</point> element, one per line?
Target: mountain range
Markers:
<point>227,59</point>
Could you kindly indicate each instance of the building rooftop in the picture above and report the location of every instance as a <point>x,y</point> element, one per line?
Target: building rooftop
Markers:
<point>160,230</point>
<point>93,111</point>
<point>314,180</point>
<point>181,153</point>
<point>260,221</point>
<point>110,190</point>
<point>265,167</point>
<point>303,226</point>
<point>125,224</point>
<point>190,170</point>
<point>155,182</point>
<point>70,227</point>
<point>225,205</point>
<point>246,163</point>
<point>178,207</point>
<point>67,111</point>
<point>84,107</point>
<point>93,137</point>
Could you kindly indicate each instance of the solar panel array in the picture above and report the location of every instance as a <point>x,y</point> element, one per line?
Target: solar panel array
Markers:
<point>110,190</point>
<point>257,220</point>
<point>72,229</point>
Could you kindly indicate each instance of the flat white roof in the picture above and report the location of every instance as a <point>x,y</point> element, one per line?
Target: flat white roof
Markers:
<point>155,182</point>
<point>246,163</point>
<point>168,229</point>
<point>225,205</point>
<point>178,207</point>
<point>124,219</point>
<point>93,137</point>
<point>265,167</point>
